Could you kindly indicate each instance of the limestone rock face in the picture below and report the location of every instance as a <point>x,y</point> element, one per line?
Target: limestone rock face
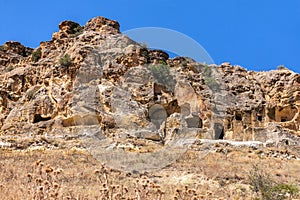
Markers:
<point>16,48</point>
<point>103,24</point>
<point>11,54</point>
<point>93,76</point>
<point>69,27</point>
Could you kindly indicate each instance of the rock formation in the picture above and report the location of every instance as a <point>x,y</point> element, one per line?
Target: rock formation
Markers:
<point>93,76</point>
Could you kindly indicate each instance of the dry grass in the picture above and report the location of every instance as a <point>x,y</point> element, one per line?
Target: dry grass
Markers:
<point>75,174</point>
<point>61,174</point>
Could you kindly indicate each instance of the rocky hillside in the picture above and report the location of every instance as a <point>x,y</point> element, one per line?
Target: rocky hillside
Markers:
<point>135,109</point>
<point>92,75</point>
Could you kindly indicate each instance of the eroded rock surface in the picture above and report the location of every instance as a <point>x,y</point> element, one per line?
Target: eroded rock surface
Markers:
<point>130,92</point>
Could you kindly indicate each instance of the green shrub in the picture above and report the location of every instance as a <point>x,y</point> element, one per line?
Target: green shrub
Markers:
<point>261,183</point>
<point>144,52</point>
<point>211,83</point>
<point>162,75</point>
<point>65,60</point>
<point>78,30</point>
<point>36,55</point>
<point>268,189</point>
<point>207,71</point>
<point>283,189</point>
<point>209,80</point>
<point>184,63</point>
<point>162,62</point>
<point>281,67</point>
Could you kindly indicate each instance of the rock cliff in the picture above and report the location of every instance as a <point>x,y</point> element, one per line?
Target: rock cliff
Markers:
<point>94,78</point>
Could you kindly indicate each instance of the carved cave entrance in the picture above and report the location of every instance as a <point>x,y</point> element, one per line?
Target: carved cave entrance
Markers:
<point>219,131</point>
<point>282,114</point>
<point>159,112</point>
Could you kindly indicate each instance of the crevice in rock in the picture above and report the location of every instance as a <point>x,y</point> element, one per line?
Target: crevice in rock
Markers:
<point>38,118</point>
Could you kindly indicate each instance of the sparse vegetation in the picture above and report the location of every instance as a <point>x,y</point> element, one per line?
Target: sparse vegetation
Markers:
<point>36,55</point>
<point>212,83</point>
<point>268,189</point>
<point>281,67</point>
<point>40,176</point>
<point>71,173</point>
<point>184,62</point>
<point>9,68</point>
<point>207,71</point>
<point>162,75</point>
<point>44,182</point>
<point>209,80</point>
<point>162,62</point>
<point>144,52</point>
<point>78,30</point>
<point>271,113</point>
<point>65,60</point>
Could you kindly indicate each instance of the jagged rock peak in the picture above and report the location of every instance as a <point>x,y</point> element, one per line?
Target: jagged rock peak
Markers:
<point>16,48</point>
<point>69,27</point>
<point>98,24</point>
<point>102,24</point>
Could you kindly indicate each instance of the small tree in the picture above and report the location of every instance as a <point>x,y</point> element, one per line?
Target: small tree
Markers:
<point>78,30</point>
<point>36,55</point>
<point>65,60</point>
<point>210,81</point>
<point>162,75</point>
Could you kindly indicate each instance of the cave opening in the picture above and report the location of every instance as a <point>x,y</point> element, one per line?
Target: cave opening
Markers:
<point>194,122</point>
<point>282,114</point>
<point>260,118</point>
<point>38,118</point>
<point>271,113</point>
<point>157,115</point>
<point>238,116</point>
<point>219,131</point>
<point>283,119</point>
<point>229,126</point>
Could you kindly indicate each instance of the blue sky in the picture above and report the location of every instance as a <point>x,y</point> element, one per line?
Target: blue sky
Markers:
<point>257,34</point>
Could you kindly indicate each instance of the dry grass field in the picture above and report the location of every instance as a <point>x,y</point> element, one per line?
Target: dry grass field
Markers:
<point>224,173</point>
